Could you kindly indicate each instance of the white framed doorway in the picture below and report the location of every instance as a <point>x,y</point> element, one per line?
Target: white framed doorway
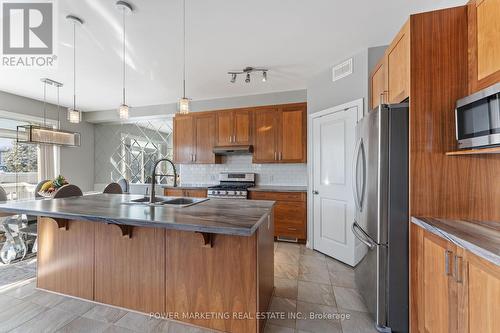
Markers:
<point>331,136</point>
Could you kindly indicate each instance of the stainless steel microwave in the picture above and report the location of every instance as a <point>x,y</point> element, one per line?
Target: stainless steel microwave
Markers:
<point>478,119</point>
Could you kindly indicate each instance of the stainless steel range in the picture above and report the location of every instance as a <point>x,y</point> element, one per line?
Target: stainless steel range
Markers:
<point>232,185</point>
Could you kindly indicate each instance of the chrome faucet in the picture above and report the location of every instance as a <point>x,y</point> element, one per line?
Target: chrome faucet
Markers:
<point>152,198</point>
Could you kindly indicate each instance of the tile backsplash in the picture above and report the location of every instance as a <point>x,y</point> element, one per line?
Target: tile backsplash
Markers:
<point>267,174</point>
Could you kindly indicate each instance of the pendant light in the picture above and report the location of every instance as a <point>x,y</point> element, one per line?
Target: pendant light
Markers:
<point>36,134</point>
<point>184,101</point>
<point>126,8</point>
<point>74,115</point>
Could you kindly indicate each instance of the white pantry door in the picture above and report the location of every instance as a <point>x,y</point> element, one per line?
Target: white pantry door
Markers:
<point>333,204</point>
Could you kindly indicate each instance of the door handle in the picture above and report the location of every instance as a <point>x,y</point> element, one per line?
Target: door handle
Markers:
<point>234,138</point>
<point>447,262</point>
<point>281,156</point>
<point>362,236</point>
<point>275,156</point>
<point>315,192</point>
<point>354,183</point>
<point>230,139</point>
<point>456,270</point>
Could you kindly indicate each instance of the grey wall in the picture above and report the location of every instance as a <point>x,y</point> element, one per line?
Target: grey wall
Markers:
<point>77,164</point>
<point>323,93</point>
<point>152,111</point>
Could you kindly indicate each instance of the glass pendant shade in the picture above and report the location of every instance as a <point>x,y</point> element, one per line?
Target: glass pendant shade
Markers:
<point>123,111</point>
<point>74,116</point>
<point>184,105</point>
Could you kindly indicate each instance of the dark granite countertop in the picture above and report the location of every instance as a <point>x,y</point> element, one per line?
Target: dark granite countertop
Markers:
<point>231,217</point>
<point>480,238</point>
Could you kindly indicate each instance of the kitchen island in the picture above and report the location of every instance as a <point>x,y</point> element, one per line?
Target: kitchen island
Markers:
<point>210,264</point>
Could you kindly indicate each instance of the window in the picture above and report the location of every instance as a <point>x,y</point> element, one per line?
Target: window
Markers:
<point>20,164</point>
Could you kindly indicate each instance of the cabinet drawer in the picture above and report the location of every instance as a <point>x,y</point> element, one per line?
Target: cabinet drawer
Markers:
<point>278,196</point>
<point>170,192</point>
<point>201,193</point>
<point>290,213</point>
<point>290,231</point>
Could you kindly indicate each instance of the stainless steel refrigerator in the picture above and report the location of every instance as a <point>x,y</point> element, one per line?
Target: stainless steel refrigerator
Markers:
<point>380,190</point>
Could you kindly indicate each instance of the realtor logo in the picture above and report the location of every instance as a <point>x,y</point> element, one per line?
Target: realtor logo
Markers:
<point>28,33</point>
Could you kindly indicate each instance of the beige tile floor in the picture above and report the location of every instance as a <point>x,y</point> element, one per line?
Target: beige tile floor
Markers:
<point>307,282</point>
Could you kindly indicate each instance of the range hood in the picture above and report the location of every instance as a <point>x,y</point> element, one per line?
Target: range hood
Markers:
<point>233,150</point>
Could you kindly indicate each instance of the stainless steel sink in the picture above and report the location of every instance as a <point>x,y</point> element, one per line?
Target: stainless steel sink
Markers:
<point>168,201</point>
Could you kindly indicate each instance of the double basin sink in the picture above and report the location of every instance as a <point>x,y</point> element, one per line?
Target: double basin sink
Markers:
<point>168,201</point>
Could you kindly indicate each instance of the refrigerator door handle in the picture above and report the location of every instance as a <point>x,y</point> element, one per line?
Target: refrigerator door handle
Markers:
<point>362,235</point>
<point>357,199</point>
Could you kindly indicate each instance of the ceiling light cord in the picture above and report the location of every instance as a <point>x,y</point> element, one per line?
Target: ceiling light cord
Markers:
<point>45,104</point>
<point>58,108</point>
<point>123,58</point>
<point>184,49</point>
<point>74,66</point>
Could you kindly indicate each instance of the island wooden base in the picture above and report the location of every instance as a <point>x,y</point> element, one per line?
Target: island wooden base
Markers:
<point>222,284</point>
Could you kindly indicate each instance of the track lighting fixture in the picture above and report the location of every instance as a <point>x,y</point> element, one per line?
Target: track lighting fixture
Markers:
<point>247,71</point>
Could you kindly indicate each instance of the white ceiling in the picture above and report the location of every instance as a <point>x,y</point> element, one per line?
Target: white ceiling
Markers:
<point>294,38</point>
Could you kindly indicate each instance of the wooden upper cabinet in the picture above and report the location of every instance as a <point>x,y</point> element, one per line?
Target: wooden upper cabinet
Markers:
<point>265,135</point>
<point>184,137</point>
<point>484,45</point>
<point>280,134</point>
<point>233,127</point>
<point>398,66</point>
<point>194,139</point>
<point>378,84</point>
<point>242,130</point>
<point>204,139</point>
<point>292,134</point>
<point>224,128</point>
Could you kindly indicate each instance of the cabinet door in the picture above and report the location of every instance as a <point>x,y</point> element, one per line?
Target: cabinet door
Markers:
<point>479,282</point>
<point>130,272</point>
<point>242,127</point>
<point>224,128</point>
<point>183,139</point>
<point>66,257</point>
<point>438,288</point>
<point>378,85</point>
<point>290,219</point>
<point>265,137</point>
<point>292,135</point>
<point>205,138</point>
<point>398,66</point>
<point>484,45</point>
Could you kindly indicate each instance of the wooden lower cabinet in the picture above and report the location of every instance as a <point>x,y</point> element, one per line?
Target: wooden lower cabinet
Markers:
<point>162,271</point>
<point>130,272</point>
<point>290,212</point>
<point>452,290</point>
<point>65,258</point>
<point>190,193</point>
<point>479,295</point>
